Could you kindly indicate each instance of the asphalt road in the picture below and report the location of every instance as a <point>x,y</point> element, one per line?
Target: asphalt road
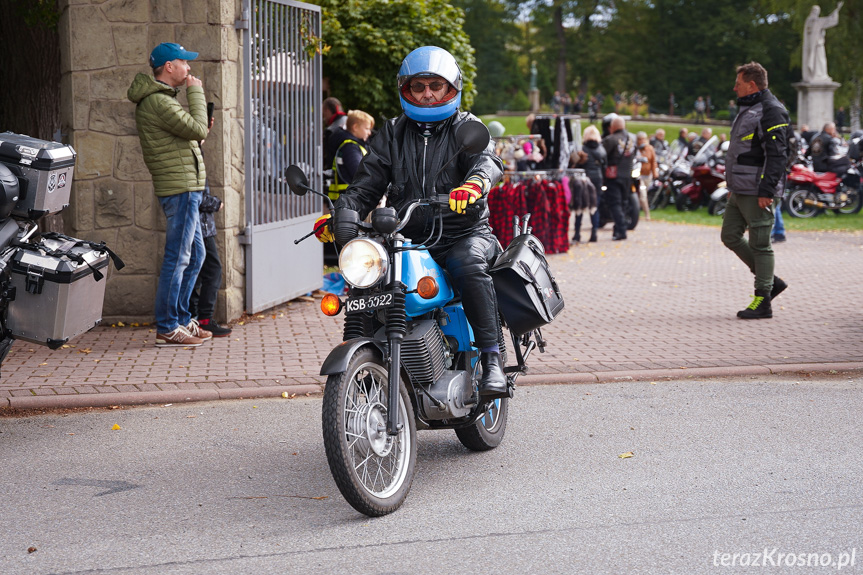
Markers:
<point>720,467</point>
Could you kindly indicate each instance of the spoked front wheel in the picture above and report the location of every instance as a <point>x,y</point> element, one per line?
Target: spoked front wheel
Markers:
<point>372,470</point>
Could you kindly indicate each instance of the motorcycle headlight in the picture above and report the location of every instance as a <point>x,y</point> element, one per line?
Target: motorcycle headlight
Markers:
<point>363,263</point>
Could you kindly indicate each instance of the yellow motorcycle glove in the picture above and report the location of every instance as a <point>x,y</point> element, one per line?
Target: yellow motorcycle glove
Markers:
<point>322,229</point>
<point>466,194</point>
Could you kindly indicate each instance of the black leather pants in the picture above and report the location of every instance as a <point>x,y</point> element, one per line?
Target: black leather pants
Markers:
<point>467,261</point>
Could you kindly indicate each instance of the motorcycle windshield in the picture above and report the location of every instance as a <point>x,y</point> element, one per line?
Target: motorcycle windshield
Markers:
<point>707,150</point>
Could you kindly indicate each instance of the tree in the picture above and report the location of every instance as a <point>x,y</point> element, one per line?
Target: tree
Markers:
<point>30,88</point>
<point>494,35</point>
<point>368,39</point>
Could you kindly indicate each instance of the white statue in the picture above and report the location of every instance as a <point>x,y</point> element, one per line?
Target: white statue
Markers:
<point>814,53</point>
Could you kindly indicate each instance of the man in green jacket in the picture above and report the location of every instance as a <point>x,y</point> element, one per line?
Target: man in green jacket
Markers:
<point>169,141</point>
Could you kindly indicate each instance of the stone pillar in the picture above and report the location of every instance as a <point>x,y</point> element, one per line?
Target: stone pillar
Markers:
<point>815,103</point>
<point>104,44</point>
<point>533,96</point>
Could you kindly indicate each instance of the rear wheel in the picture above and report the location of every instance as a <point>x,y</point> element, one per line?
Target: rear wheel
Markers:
<point>797,206</point>
<point>373,470</point>
<point>855,202</point>
<point>488,431</point>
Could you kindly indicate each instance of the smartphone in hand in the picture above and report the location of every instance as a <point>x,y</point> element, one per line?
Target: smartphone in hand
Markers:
<point>211,106</point>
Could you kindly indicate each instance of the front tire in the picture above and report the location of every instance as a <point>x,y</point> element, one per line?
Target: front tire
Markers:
<point>717,207</point>
<point>797,206</point>
<point>373,470</point>
<point>631,215</point>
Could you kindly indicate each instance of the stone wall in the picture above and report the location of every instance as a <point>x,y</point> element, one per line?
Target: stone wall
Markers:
<point>104,44</point>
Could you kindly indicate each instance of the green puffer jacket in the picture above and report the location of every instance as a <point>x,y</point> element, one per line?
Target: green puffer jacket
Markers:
<point>170,135</point>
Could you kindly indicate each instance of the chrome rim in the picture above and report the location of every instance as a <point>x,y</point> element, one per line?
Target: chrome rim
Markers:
<point>379,461</point>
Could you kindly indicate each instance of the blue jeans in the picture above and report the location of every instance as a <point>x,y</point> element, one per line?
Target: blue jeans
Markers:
<point>778,224</point>
<point>184,256</point>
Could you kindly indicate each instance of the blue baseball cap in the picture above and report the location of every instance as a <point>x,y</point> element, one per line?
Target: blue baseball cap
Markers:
<point>167,51</point>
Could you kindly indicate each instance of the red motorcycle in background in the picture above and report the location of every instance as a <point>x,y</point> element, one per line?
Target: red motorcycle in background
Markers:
<point>811,192</point>
<point>708,174</point>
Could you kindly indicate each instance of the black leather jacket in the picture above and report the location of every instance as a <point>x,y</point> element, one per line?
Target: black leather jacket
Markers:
<point>594,164</point>
<point>402,163</point>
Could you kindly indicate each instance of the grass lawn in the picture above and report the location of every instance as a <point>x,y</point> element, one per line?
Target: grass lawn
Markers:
<point>821,222</point>
<point>516,126</point>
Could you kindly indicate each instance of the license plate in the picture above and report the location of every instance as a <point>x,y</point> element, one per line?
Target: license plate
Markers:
<point>363,303</point>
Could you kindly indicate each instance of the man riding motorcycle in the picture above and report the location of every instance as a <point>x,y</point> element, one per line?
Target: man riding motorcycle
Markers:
<point>402,162</point>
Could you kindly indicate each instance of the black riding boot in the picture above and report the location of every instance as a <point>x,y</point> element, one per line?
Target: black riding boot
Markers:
<point>759,308</point>
<point>493,382</point>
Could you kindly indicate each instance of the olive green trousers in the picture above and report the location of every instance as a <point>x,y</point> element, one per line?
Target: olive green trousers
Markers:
<point>742,212</point>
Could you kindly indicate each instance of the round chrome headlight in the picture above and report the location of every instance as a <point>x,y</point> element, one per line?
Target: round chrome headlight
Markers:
<point>363,262</point>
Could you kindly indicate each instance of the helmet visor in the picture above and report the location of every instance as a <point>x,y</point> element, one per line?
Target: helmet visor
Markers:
<point>427,90</point>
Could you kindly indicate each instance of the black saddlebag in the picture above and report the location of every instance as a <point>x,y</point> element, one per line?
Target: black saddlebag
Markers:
<point>527,293</point>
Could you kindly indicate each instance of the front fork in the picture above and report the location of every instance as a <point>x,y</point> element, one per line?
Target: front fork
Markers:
<point>396,330</point>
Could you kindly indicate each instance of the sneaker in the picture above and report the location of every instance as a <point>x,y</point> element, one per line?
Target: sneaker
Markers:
<point>214,328</point>
<point>778,238</point>
<point>778,287</point>
<point>759,308</point>
<point>196,330</point>
<point>178,338</point>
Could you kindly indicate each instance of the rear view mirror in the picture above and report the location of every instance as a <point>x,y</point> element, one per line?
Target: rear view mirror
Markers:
<point>297,180</point>
<point>472,137</point>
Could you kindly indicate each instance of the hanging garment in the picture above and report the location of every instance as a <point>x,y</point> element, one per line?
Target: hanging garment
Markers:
<point>584,197</point>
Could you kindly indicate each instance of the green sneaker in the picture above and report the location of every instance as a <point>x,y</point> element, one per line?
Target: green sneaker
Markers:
<point>759,308</point>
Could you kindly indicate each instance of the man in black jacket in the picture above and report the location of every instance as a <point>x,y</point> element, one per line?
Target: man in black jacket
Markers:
<point>402,161</point>
<point>825,154</point>
<point>620,147</point>
<point>755,174</point>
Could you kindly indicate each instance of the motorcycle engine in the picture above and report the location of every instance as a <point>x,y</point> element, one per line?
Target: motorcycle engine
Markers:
<point>451,391</point>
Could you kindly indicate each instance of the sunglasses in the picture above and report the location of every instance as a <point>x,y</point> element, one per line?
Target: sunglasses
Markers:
<point>419,87</point>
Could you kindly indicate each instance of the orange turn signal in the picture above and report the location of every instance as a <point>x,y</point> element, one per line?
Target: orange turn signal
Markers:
<point>427,287</point>
<point>331,304</point>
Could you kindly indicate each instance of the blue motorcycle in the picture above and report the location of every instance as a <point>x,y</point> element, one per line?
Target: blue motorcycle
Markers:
<point>407,361</point>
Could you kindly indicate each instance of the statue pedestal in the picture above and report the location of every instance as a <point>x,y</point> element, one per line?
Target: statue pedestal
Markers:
<point>533,96</point>
<point>815,103</point>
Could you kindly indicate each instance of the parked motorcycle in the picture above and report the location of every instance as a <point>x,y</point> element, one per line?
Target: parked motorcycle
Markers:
<point>51,287</point>
<point>674,173</point>
<point>708,172</point>
<point>810,193</point>
<point>408,361</point>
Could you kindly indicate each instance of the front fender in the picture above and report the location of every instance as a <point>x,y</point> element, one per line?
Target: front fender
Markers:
<point>720,192</point>
<point>337,361</point>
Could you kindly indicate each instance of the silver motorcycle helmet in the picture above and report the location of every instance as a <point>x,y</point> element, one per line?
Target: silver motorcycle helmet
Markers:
<point>430,61</point>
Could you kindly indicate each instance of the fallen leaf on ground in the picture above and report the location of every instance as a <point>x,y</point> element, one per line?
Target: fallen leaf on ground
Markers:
<point>626,455</point>
<point>116,427</point>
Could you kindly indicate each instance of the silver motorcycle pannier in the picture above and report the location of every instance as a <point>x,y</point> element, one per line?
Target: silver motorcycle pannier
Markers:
<point>59,291</point>
<point>44,170</point>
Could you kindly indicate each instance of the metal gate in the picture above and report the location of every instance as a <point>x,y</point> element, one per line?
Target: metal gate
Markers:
<point>283,126</point>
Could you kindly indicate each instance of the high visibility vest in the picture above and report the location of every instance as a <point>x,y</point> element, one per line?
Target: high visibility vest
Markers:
<point>337,188</point>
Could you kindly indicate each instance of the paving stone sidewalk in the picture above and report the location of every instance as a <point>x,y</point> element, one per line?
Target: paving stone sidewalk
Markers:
<point>661,304</point>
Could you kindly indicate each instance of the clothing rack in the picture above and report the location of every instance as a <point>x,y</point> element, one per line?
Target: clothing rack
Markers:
<point>561,116</point>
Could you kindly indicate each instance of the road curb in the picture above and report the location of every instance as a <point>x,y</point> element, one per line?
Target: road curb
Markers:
<point>155,397</point>
<point>184,396</point>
